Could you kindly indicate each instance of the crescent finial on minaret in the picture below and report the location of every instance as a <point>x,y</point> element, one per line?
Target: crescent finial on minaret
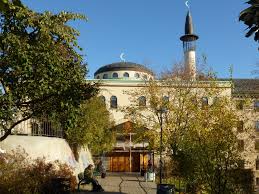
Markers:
<point>187,5</point>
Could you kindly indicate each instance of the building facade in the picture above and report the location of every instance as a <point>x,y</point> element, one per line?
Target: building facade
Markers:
<point>118,79</point>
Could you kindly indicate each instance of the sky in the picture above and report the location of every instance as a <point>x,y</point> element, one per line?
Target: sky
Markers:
<point>148,32</point>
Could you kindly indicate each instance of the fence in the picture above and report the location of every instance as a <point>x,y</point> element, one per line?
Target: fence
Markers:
<point>37,127</point>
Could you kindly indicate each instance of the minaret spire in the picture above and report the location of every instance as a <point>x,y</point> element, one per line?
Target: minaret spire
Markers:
<point>189,47</point>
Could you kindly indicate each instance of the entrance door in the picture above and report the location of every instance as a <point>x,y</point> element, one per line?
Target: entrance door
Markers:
<point>120,164</point>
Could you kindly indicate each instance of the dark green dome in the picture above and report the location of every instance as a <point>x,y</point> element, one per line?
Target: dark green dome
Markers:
<point>123,66</point>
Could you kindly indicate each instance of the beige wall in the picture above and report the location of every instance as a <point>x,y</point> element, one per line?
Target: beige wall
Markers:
<point>49,147</point>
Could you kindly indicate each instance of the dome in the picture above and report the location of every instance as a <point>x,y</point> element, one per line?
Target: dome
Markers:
<point>125,71</point>
<point>123,66</point>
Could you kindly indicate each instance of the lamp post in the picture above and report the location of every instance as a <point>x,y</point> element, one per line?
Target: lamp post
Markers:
<point>160,118</point>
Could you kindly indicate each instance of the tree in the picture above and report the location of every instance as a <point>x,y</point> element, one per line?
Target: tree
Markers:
<point>250,18</point>
<point>199,136</point>
<point>93,127</point>
<point>41,72</point>
<point>6,5</point>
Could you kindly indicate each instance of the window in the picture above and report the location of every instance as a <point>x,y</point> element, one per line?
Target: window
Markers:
<point>165,101</point>
<point>142,101</point>
<point>216,100</point>
<point>257,164</point>
<point>98,77</point>
<point>240,145</point>
<point>114,102</point>
<point>136,75</point>
<point>241,164</point>
<point>256,105</point>
<point>105,76</point>
<point>257,181</point>
<point>240,104</point>
<point>257,144</point>
<point>145,77</point>
<point>115,75</point>
<point>240,126</point>
<point>204,101</point>
<point>103,99</point>
<point>126,74</point>
<point>257,126</point>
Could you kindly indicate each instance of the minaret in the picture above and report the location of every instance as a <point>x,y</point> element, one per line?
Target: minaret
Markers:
<point>189,48</point>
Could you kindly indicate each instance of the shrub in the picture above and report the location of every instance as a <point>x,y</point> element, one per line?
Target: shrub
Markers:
<point>19,174</point>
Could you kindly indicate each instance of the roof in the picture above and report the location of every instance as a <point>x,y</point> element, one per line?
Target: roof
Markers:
<point>246,88</point>
<point>188,24</point>
<point>189,35</point>
<point>120,66</point>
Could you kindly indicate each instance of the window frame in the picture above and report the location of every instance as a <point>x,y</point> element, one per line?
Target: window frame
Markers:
<point>105,76</point>
<point>136,75</point>
<point>126,73</point>
<point>240,104</point>
<point>256,105</point>
<point>257,164</point>
<point>241,145</point>
<point>240,126</point>
<point>257,145</point>
<point>204,101</point>
<point>115,73</point>
<point>257,126</point>
<point>142,101</point>
<point>114,102</point>
<point>103,99</point>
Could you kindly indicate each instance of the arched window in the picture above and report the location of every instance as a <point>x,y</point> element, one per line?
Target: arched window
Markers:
<point>113,102</point>
<point>240,126</point>
<point>165,99</point>
<point>204,101</point>
<point>115,75</point>
<point>256,105</point>
<point>142,101</point>
<point>102,98</point>
<point>105,76</point>
<point>98,77</point>
<point>126,74</point>
<point>136,75</point>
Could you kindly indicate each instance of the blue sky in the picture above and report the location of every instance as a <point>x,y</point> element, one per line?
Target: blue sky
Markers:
<point>148,32</point>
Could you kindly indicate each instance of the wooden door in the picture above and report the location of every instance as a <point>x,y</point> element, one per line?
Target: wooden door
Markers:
<point>120,164</point>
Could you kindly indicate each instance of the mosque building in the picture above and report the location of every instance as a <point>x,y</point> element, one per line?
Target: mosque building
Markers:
<point>117,79</point>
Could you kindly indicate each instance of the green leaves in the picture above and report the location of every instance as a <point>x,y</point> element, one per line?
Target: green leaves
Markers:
<point>250,17</point>
<point>92,127</point>
<point>39,66</point>
<point>201,138</point>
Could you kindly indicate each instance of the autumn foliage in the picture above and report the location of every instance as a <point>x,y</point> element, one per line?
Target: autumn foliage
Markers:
<point>19,174</point>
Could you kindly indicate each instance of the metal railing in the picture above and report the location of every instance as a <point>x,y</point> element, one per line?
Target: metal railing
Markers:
<point>37,127</point>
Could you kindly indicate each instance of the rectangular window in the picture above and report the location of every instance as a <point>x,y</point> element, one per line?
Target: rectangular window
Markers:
<point>240,104</point>
<point>257,164</point>
<point>256,126</point>
<point>241,145</point>
<point>241,164</point>
<point>257,145</point>
<point>257,181</point>
<point>240,126</point>
<point>256,105</point>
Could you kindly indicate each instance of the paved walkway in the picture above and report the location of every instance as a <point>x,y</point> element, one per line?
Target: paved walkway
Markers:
<point>121,183</point>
